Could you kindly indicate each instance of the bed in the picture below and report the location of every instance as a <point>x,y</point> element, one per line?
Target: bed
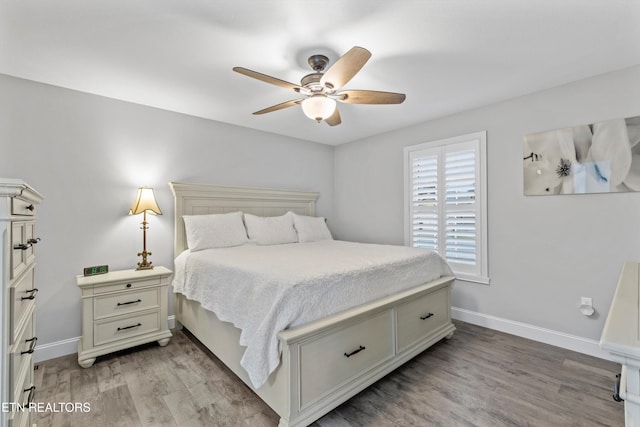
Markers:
<point>322,362</point>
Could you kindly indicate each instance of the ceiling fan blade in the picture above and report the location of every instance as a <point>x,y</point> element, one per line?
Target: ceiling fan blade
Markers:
<point>334,119</point>
<point>266,78</point>
<point>279,106</point>
<point>370,97</point>
<point>346,67</point>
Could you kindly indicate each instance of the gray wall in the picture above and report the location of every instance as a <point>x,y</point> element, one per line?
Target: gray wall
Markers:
<point>87,155</point>
<point>544,252</point>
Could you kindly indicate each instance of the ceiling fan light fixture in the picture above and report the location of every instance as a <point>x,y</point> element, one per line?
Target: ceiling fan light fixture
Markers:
<point>318,107</point>
<point>321,89</point>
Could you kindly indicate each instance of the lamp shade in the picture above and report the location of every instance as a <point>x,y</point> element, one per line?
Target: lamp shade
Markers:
<point>145,202</point>
<point>318,107</point>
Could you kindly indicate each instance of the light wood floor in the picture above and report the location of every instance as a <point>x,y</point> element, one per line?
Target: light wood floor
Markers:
<point>479,377</point>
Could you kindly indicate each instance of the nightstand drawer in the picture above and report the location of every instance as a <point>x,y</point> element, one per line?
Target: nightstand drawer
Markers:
<point>121,328</point>
<point>126,285</point>
<point>125,302</point>
<point>22,296</point>
<point>21,354</point>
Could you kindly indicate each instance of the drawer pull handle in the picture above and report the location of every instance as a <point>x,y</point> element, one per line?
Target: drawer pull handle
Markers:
<point>22,246</point>
<point>31,208</point>
<point>616,389</point>
<point>32,392</point>
<point>130,302</point>
<point>355,351</point>
<point>34,241</point>
<point>426,317</point>
<point>33,293</point>
<point>128,285</point>
<point>33,346</point>
<point>129,327</point>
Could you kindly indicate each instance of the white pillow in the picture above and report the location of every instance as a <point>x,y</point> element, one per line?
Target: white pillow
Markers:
<point>215,231</point>
<point>272,230</point>
<point>311,228</point>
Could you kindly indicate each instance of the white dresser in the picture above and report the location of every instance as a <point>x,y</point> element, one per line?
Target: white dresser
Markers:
<point>621,338</point>
<point>122,309</point>
<point>18,206</point>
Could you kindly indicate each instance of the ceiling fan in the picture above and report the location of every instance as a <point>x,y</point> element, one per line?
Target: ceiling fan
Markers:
<point>321,89</point>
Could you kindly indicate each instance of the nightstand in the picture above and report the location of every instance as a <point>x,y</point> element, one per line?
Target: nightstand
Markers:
<point>122,309</point>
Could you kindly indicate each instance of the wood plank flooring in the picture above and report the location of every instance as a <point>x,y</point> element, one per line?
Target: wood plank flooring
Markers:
<point>480,377</point>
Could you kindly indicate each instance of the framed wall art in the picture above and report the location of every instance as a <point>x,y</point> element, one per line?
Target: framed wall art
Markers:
<point>601,157</point>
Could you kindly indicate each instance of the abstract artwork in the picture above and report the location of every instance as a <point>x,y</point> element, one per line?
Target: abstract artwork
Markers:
<point>602,157</point>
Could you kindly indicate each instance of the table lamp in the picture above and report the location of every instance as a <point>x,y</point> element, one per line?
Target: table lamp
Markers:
<point>145,202</point>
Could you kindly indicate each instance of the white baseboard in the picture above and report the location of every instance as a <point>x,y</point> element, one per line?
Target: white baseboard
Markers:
<point>55,349</point>
<point>69,346</point>
<point>535,333</point>
<point>547,336</point>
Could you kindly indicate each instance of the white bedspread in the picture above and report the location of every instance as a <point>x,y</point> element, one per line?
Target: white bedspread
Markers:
<point>263,290</point>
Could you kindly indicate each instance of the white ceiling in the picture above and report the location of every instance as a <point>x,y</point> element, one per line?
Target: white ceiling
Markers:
<point>446,55</point>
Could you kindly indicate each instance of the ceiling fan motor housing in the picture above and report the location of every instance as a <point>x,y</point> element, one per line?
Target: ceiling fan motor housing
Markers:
<point>318,62</point>
<point>312,82</point>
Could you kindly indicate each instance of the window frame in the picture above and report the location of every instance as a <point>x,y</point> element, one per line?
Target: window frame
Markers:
<point>481,270</point>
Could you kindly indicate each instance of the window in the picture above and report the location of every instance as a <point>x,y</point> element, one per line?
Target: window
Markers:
<point>445,202</point>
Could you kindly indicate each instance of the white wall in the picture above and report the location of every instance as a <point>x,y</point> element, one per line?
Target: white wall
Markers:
<point>87,155</point>
<point>544,252</point>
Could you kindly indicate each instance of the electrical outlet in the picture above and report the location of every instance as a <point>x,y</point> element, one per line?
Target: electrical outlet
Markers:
<point>586,301</point>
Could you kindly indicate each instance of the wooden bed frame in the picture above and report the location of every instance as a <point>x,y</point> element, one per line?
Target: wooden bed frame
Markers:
<point>328,361</point>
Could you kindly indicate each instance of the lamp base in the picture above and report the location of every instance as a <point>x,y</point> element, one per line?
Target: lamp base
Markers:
<point>144,264</point>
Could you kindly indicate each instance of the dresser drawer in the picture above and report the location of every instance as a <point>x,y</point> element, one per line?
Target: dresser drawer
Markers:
<point>22,207</point>
<point>344,354</point>
<point>22,392</point>
<point>20,357</point>
<point>125,302</point>
<point>29,236</point>
<point>22,296</point>
<point>22,251</point>
<point>126,285</point>
<point>18,256</point>
<point>20,419</point>
<point>122,327</point>
<point>419,318</point>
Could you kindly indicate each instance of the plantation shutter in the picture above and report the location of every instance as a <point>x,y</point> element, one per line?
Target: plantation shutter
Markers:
<point>424,217</point>
<point>460,203</point>
<point>444,206</point>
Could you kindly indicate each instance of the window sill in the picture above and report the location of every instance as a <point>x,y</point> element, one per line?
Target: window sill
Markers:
<point>471,278</point>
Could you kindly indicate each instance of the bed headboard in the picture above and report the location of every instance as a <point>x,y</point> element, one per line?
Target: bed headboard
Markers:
<point>202,199</point>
